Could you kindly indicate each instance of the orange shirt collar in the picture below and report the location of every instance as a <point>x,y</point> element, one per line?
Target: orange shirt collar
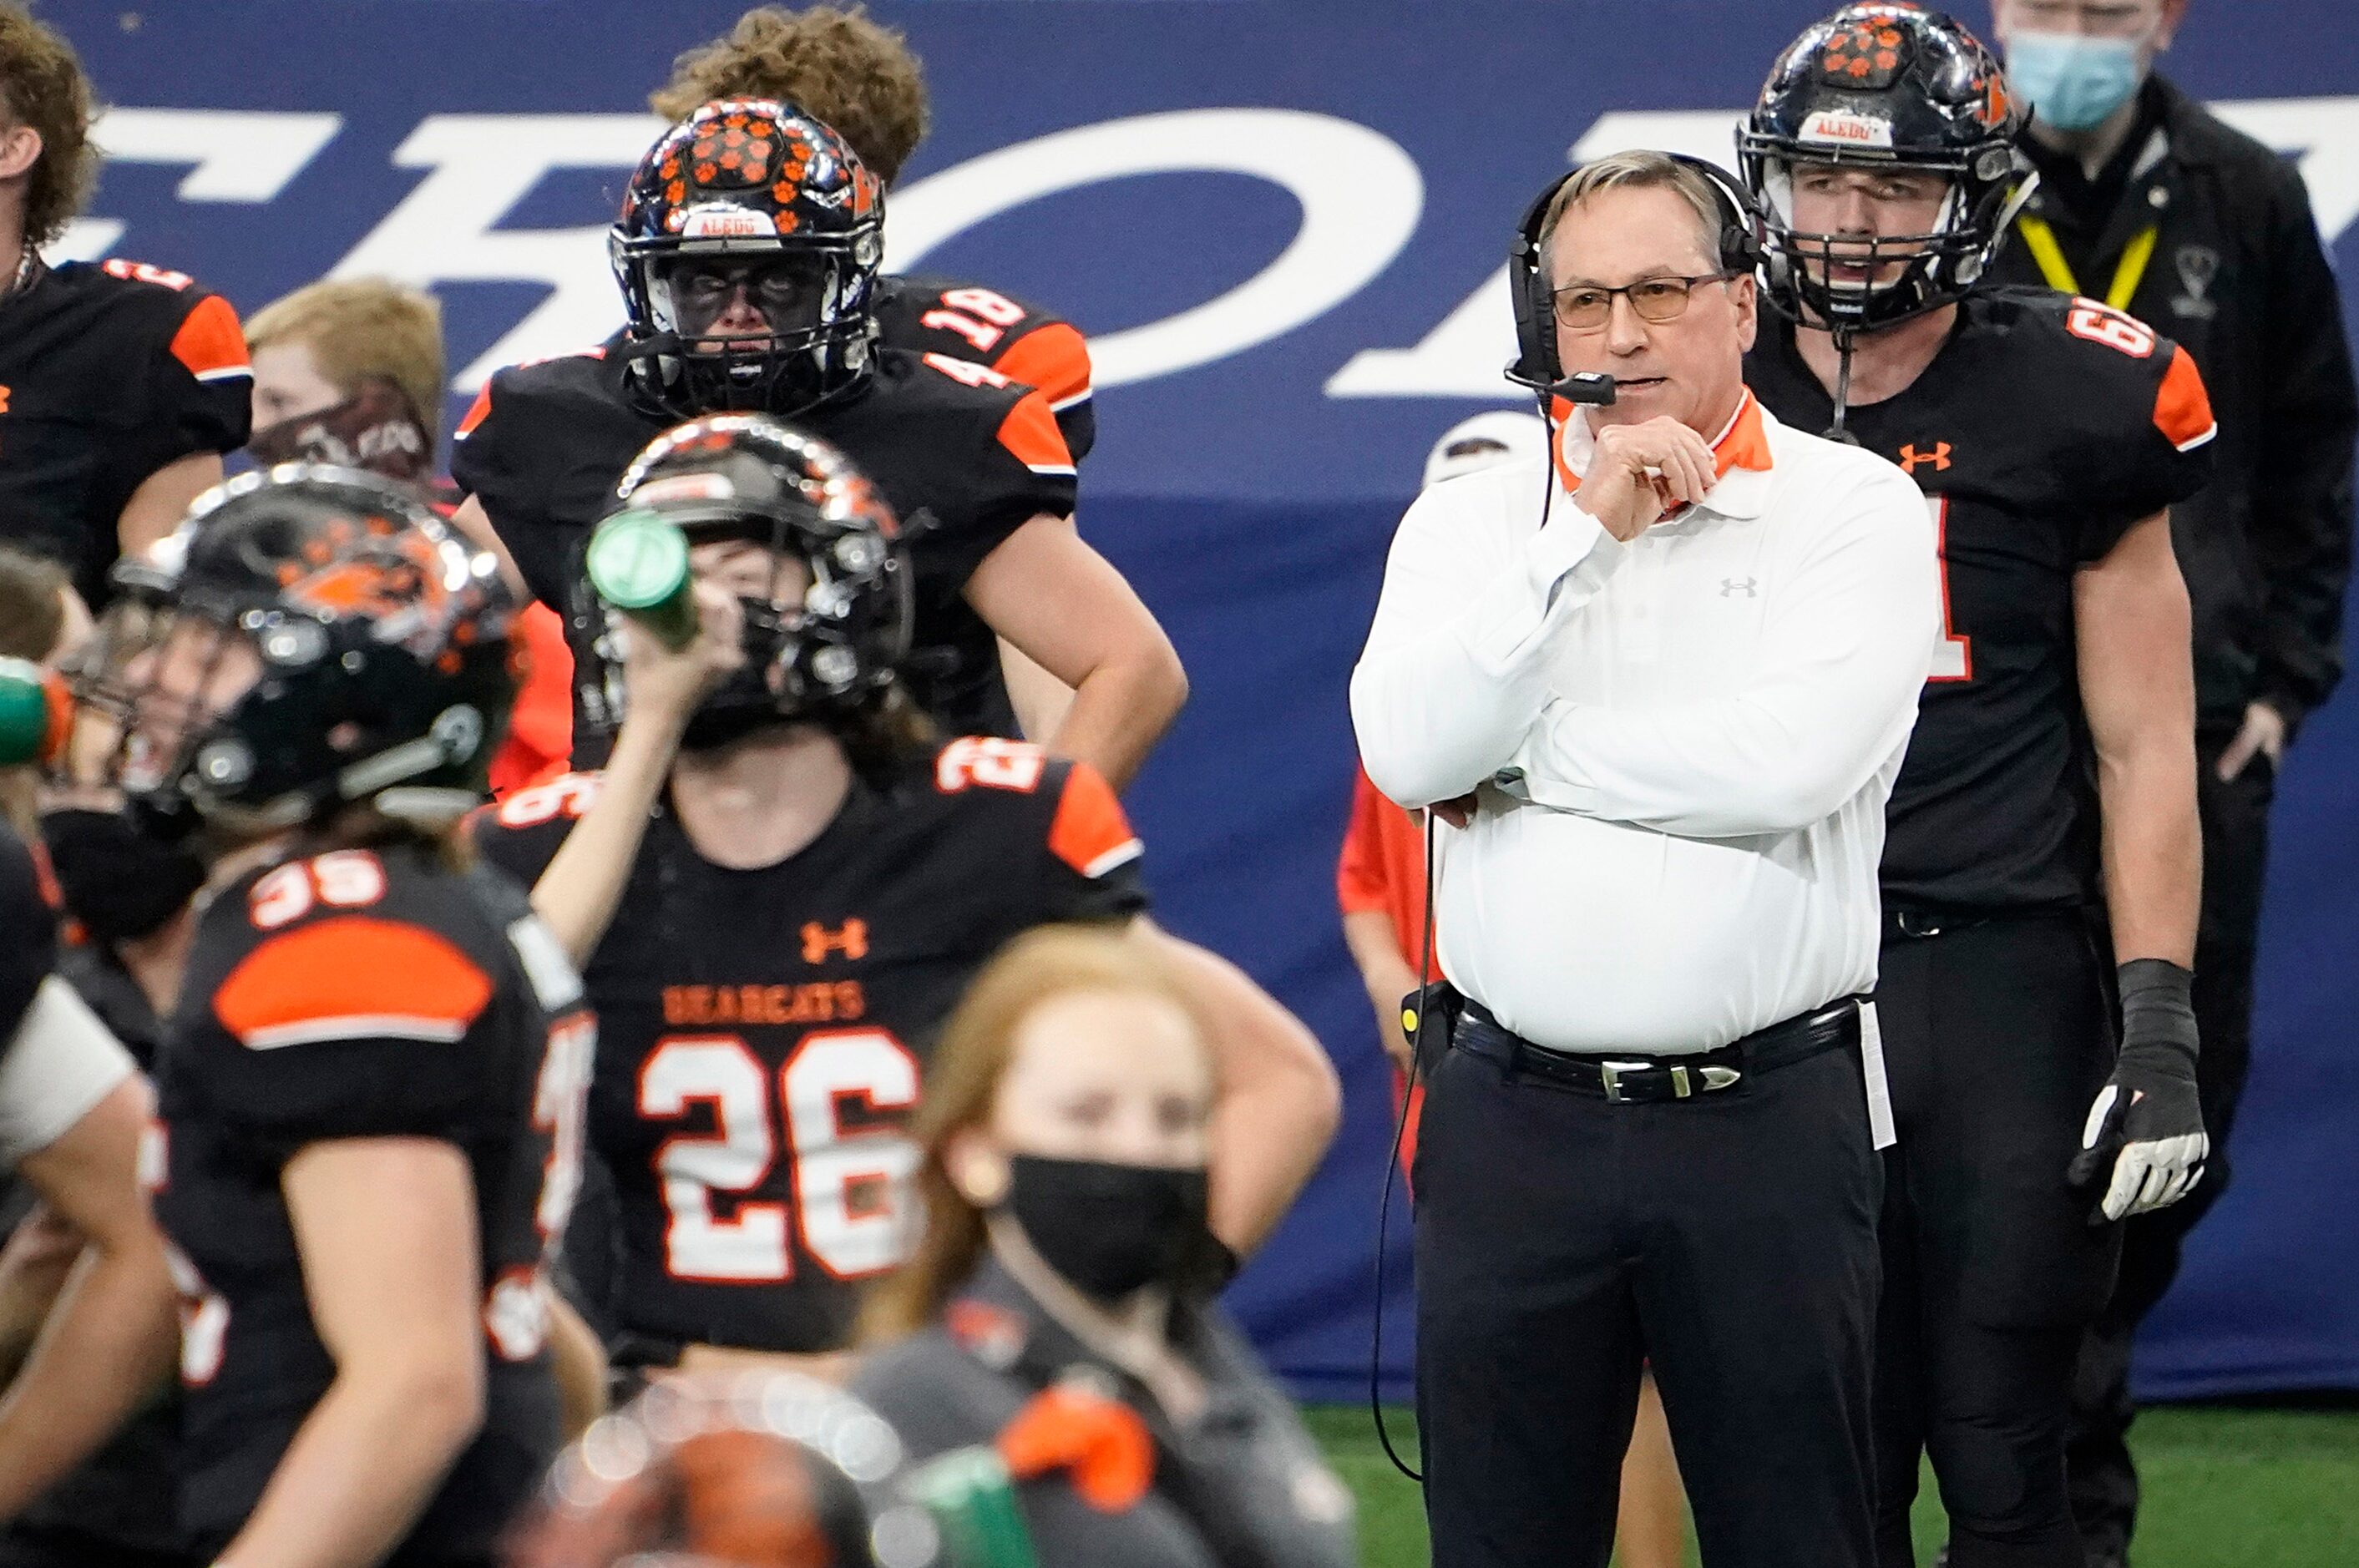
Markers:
<point>1741,443</point>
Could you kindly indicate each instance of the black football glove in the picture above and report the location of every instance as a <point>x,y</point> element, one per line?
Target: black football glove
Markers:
<point>2146,1125</point>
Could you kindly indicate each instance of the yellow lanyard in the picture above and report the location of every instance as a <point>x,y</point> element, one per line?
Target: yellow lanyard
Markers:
<point>2040,240</point>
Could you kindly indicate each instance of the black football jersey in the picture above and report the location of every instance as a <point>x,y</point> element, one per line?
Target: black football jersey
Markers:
<point>2045,427</point>
<point>27,914</point>
<point>763,1032</point>
<point>981,456</point>
<point>364,994</point>
<point>108,371</point>
<point>925,314</point>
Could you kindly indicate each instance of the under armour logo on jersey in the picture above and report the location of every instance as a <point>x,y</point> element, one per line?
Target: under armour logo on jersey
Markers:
<point>1730,587</point>
<point>1939,457</point>
<point>850,939</point>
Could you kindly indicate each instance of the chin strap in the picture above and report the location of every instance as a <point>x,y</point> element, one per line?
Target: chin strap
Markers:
<point>1844,339</point>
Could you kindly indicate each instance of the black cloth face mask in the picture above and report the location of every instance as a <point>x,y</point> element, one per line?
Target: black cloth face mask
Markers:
<point>1111,1229</point>
<point>120,882</point>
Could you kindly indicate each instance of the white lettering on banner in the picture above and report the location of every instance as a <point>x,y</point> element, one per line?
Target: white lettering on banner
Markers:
<point>445,230</point>
<point>238,156</point>
<point>1361,197</point>
<point>1460,358</point>
<point>1464,356</point>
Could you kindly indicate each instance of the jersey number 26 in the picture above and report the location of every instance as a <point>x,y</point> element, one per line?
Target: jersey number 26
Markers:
<point>847,1186</point>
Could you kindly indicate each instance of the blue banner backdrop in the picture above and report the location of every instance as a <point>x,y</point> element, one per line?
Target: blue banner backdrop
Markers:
<point>1282,225</point>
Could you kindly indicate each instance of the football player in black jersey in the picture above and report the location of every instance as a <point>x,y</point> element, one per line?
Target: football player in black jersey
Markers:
<point>779,890</point>
<point>121,383</point>
<point>71,1111</point>
<point>748,250</point>
<point>2050,783</point>
<point>850,73</point>
<point>370,1088</point>
<point>859,77</point>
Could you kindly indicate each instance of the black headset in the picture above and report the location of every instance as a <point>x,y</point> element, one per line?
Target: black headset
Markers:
<point>1536,364</point>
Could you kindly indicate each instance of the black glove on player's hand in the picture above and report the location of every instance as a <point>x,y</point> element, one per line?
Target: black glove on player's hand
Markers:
<point>2146,1125</point>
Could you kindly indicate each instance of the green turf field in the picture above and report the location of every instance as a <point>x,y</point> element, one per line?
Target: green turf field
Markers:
<point>2225,1488</point>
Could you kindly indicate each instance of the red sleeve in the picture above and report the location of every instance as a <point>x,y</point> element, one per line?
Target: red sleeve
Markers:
<point>2183,408</point>
<point>1052,356</point>
<point>1090,832</point>
<point>1031,432</point>
<point>540,726</point>
<point>1360,872</point>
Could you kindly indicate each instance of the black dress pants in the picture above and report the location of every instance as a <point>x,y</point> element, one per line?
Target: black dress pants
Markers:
<point>1998,1035</point>
<point>1562,1240</point>
<point>2105,1485</point>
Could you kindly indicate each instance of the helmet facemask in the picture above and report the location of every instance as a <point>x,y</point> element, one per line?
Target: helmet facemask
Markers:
<point>1805,275</point>
<point>814,300</point>
<point>826,601</point>
<point>154,689</point>
<point>310,639</point>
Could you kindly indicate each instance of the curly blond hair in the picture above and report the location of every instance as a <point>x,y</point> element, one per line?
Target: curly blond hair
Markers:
<point>42,86</point>
<point>853,75</point>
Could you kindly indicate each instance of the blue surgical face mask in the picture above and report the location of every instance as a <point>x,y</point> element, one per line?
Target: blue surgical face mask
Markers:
<point>2073,80</point>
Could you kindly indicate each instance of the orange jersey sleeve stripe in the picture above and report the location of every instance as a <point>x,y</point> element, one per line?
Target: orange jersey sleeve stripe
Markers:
<point>351,978</point>
<point>476,411</point>
<point>1090,832</point>
<point>1031,432</point>
<point>210,341</point>
<point>1360,869</point>
<point>540,726</point>
<point>2183,408</point>
<point>1054,358</point>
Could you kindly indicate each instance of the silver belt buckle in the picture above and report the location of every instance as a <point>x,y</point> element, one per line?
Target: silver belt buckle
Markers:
<point>1611,1074</point>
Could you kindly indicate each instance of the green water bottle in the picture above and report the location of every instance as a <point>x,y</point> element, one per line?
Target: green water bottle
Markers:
<point>34,711</point>
<point>638,563</point>
<point>973,1500</point>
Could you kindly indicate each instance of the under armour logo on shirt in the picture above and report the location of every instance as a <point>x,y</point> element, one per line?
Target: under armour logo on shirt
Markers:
<point>1730,587</point>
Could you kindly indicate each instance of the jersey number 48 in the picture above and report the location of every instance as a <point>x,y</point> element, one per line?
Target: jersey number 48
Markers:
<point>847,1186</point>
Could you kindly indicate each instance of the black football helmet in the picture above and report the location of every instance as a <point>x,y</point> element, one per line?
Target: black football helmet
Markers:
<point>1885,85</point>
<point>827,649</point>
<point>309,638</point>
<point>748,194</point>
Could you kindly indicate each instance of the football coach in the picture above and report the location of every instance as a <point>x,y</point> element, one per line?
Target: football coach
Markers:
<point>1662,678</point>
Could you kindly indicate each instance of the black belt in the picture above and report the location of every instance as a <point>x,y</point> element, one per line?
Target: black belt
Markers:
<point>1632,1079</point>
<point>1922,922</point>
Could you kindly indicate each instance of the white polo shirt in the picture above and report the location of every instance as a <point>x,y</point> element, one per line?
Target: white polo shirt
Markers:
<point>1683,744</point>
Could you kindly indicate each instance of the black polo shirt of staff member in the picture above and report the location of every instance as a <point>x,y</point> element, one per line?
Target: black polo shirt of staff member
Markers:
<point>121,383</point>
<point>1662,680</point>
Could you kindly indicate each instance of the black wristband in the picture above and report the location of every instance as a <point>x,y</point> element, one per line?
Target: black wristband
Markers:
<point>2157,1005</point>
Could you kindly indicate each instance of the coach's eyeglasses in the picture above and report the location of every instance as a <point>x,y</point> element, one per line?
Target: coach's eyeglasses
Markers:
<point>1586,307</point>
